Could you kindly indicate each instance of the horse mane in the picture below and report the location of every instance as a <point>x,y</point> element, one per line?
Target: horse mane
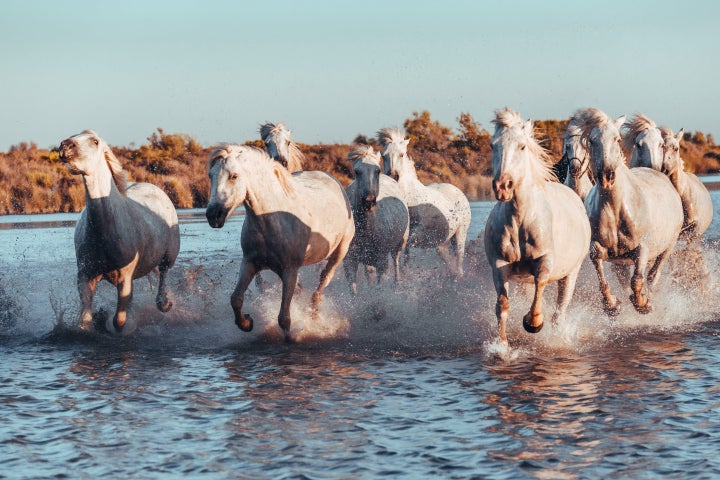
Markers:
<point>295,162</point>
<point>363,151</point>
<point>116,169</point>
<point>589,118</point>
<point>638,124</point>
<point>388,135</point>
<point>543,168</point>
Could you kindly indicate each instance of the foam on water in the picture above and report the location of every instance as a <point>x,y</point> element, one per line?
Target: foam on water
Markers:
<point>427,313</point>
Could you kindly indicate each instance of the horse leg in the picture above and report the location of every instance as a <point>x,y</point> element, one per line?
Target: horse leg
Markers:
<point>162,302</point>
<point>86,288</point>
<point>639,298</point>
<point>566,288</point>
<point>289,281</point>
<point>502,306</point>
<point>654,273</point>
<point>247,272</point>
<point>396,259</point>
<point>124,294</point>
<point>611,304</point>
<point>458,241</point>
<point>447,257</point>
<point>327,273</point>
<point>534,319</point>
<point>350,265</point>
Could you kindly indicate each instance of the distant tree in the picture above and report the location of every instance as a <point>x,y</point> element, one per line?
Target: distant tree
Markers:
<point>426,134</point>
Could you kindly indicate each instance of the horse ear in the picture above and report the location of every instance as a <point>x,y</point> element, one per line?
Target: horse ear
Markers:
<point>406,142</point>
<point>90,132</point>
<point>619,121</point>
<point>679,135</point>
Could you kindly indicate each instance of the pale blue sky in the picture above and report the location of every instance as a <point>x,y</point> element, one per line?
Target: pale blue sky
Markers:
<point>333,69</point>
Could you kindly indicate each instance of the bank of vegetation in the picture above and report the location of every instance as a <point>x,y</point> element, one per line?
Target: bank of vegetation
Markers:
<point>34,180</point>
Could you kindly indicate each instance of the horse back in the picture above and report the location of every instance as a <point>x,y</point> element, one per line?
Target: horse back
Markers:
<point>697,203</point>
<point>310,226</point>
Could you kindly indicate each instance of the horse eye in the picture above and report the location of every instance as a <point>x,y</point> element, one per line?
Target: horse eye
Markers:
<point>522,147</point>
<point>96,141</point>
<point>233,177</point>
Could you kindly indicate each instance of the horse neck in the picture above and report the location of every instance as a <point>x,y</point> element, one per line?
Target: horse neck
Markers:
<point>265,193</point>
<point>100,184</point>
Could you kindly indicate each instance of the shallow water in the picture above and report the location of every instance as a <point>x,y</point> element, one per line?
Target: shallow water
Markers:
<point>405,382</point>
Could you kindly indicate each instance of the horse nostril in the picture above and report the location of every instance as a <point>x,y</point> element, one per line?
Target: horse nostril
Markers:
<point>509,184</point>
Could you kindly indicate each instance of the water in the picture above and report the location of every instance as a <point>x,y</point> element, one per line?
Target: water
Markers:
<point>405,382</point>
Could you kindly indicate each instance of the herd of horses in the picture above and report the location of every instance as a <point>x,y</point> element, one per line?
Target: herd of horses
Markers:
<point>548,217</point>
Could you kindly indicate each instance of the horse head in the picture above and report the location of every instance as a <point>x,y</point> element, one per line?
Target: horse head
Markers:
<point>672,163</point>
<point>516,155</point>
<point>366,166</point>
<point>228,183</point>
<point>394,151</point>
<point>89,155</point>
<point>280,147</point>
<point>643,142</point>
<point>602,138</point>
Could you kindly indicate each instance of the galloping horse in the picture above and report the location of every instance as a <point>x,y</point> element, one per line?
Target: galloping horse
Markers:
<point>280,146</point>
<point>696,202</point>
<point>643,142</point>
<point>291,221</point>
<point>124,231</point>
<point>579,174</point>
<point>439,212</point>
<point>635,214</point>
<point>538,231</point>
<point>381,217</point>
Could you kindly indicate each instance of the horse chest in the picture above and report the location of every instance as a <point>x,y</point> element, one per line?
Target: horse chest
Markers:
<point>518,244</point>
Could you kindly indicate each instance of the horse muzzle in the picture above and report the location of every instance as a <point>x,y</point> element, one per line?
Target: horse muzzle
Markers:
<point>607,179</point>
<point>369,202</point>
<point>503,188</point>
<point>216,215</point>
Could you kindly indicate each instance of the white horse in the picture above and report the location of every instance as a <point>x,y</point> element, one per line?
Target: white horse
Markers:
<point>291,221</point>
<point>579,174</point>
<point>538,231</point>
<point>643,142</point>
<point>439,212</point>
<point>124,231</point>
<point>381,217</point>
<point>635,214</point>
<point>280,146</point>
<point>696,201</point>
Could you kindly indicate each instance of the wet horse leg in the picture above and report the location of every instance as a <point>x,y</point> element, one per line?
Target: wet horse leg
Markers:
<point>161,300</point>
<point>639,299</point>
<point>654,273</point>
<point>124,295</point>
<point>534,319</point>
<point>611,304</point>
<point>448,258</point>
<point>350,265</point>
<point>86,288</point>
<point>458,242</point>
<point>289,281</point>
<point>502,306</point>
<point>247,272</point>
<point>327,273</point>
<point>566,288</point>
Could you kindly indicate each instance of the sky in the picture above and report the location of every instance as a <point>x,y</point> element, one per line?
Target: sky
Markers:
<point>332,70</point>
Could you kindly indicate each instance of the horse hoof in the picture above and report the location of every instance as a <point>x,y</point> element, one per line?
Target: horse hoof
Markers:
<point>117,325</point>
<point>644,309</point>
<point>288,338</point>
<point>612,311</point>
<point>531,328</point>
<point>245,324</point>
<point>164,307</point>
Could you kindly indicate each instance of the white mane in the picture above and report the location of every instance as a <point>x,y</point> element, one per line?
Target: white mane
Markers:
<point>507,119</point>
